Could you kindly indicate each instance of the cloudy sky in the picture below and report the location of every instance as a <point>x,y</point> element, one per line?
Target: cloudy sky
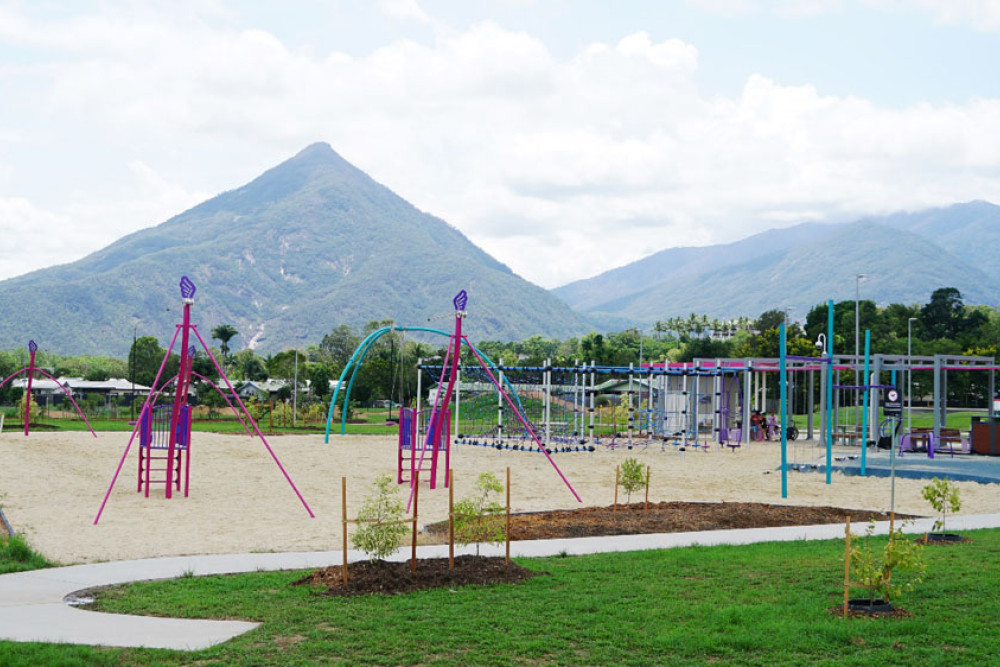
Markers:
<point>565,137</point>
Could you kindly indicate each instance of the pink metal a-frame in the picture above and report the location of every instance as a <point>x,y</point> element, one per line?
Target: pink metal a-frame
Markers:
<point>440,409</point>
<point>183,383</point>
<point>30,369</point>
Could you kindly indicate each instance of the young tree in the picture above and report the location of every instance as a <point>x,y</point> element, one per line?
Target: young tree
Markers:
<point>381,520</point>
<point>479,518</point>
<point>632,477</point>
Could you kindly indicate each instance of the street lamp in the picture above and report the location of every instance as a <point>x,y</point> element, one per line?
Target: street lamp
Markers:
<point>909,373</point>
<point>295,389</point>
<point>135,329</point>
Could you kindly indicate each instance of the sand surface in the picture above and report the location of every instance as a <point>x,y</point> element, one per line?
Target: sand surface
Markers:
<point>52,484</point>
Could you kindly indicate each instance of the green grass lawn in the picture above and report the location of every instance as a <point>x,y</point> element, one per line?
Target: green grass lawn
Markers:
<point>17,556</point>
<point>764,604</point>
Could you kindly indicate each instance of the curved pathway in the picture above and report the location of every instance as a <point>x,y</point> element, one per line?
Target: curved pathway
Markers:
<point>35,606</point>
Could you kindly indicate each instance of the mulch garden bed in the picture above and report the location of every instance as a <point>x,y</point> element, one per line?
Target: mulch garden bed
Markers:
<point>388,578</point>
<point>666,517</point>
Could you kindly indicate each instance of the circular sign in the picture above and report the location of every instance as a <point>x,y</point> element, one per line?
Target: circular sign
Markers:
<point>892,395</point>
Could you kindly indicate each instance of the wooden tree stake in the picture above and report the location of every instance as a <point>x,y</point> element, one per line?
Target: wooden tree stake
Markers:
<point>451,519</point>
<point>847,563</point>
<point>614,508</point>
<point>343,501</point>
<point>507,530</point>
<point>645,507</point>
<point>416,492</point>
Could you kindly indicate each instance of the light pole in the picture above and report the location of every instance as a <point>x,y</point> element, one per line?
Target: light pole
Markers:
<point>857,345</point>
<point>909,374</point>
<point>295,389</point>
<point>135,329</point>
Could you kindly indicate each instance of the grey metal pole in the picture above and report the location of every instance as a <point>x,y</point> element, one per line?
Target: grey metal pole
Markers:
<point>909,374</point>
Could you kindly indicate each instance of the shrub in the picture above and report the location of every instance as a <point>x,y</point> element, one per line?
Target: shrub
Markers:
<point>479,518</point>
<point>381,519</point>
<point>880,571</point>
<point>632,477</point>
<point>942,494</point>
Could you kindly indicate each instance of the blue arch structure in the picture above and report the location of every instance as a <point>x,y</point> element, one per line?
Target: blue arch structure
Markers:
<point>354,364</point>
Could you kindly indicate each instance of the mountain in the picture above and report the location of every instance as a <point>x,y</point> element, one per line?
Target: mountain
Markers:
<point>906,256</point>
<point>306,246</point>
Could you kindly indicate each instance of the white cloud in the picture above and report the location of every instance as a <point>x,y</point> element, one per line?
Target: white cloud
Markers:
<point>560,167</point>
<point>982,15</point>
<point>407,10</point>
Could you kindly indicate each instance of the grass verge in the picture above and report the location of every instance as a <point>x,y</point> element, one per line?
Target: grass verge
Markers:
<point>17,556</point>
<point>763,604</point>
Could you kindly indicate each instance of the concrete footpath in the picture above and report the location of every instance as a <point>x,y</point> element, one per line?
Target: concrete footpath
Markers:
<point>38,606</point>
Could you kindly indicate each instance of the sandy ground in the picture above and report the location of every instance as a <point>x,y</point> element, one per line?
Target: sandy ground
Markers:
<point>51,487</point>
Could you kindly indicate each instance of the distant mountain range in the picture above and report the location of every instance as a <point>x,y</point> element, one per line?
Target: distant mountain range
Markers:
<point>308,245</point>
<point>906,257</point>
<point>314,243</point>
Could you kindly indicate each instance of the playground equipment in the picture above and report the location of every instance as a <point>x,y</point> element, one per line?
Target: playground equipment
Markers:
<point>172,438</point>
<point>683,404</point>
<point>437,422</point>
<point>410,427</point>
<point>31,369</point>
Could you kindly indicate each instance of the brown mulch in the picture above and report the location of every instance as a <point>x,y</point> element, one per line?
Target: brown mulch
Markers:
<point>944,543</point>
<point>387,578</point>
<point>666,517</point>
<point>853,613</point>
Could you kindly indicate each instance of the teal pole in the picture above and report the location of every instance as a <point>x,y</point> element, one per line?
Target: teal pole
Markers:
<point>864,403</point>
<point>354,363</point>
<point>361,350</point>
<point>829,391</point>
<point>783,376</point>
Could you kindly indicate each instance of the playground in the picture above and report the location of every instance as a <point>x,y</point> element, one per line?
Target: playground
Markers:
<point>239,501</point>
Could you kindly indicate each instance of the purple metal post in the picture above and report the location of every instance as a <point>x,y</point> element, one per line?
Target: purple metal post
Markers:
<point>523,421</point>
<point>145,406</point>
<point>252,422</point>
<point>180,395</point>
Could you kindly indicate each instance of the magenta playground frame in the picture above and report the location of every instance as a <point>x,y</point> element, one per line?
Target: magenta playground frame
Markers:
<point>30,369</point>
<point>177,445</point>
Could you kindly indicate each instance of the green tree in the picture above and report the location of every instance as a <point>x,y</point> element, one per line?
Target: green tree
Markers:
<point>247,365</point>
<point>319,380</point>
<point>337,347</point>
<point>479,518</point>
<point>632,477</point>
<point>381,520</point>
<point>224,333</point>
<point>145,358</point>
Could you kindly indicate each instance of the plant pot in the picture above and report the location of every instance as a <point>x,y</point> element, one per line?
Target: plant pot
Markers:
<point>943,537</point>
<point>868,605</point>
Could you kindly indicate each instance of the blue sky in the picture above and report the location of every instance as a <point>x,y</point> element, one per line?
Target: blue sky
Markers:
<point>564,137</point>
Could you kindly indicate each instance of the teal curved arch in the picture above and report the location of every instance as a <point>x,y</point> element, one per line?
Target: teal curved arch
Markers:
<point>354,364</point>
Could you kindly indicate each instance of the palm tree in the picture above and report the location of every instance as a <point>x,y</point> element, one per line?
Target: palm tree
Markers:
<point>224,333</point>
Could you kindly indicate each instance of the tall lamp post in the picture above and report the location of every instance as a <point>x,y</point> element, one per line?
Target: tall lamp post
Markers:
<point>857,344</point>
<point>131,359</point>
<point>909,373</point>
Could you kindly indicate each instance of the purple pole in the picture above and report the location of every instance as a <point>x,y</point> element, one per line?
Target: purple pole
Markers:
<point>135,429</point>
<point>180,395</point>
<point>70,397</point>
<point>226,399</point>
<point>431,425</point>
<point>252,422</point>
